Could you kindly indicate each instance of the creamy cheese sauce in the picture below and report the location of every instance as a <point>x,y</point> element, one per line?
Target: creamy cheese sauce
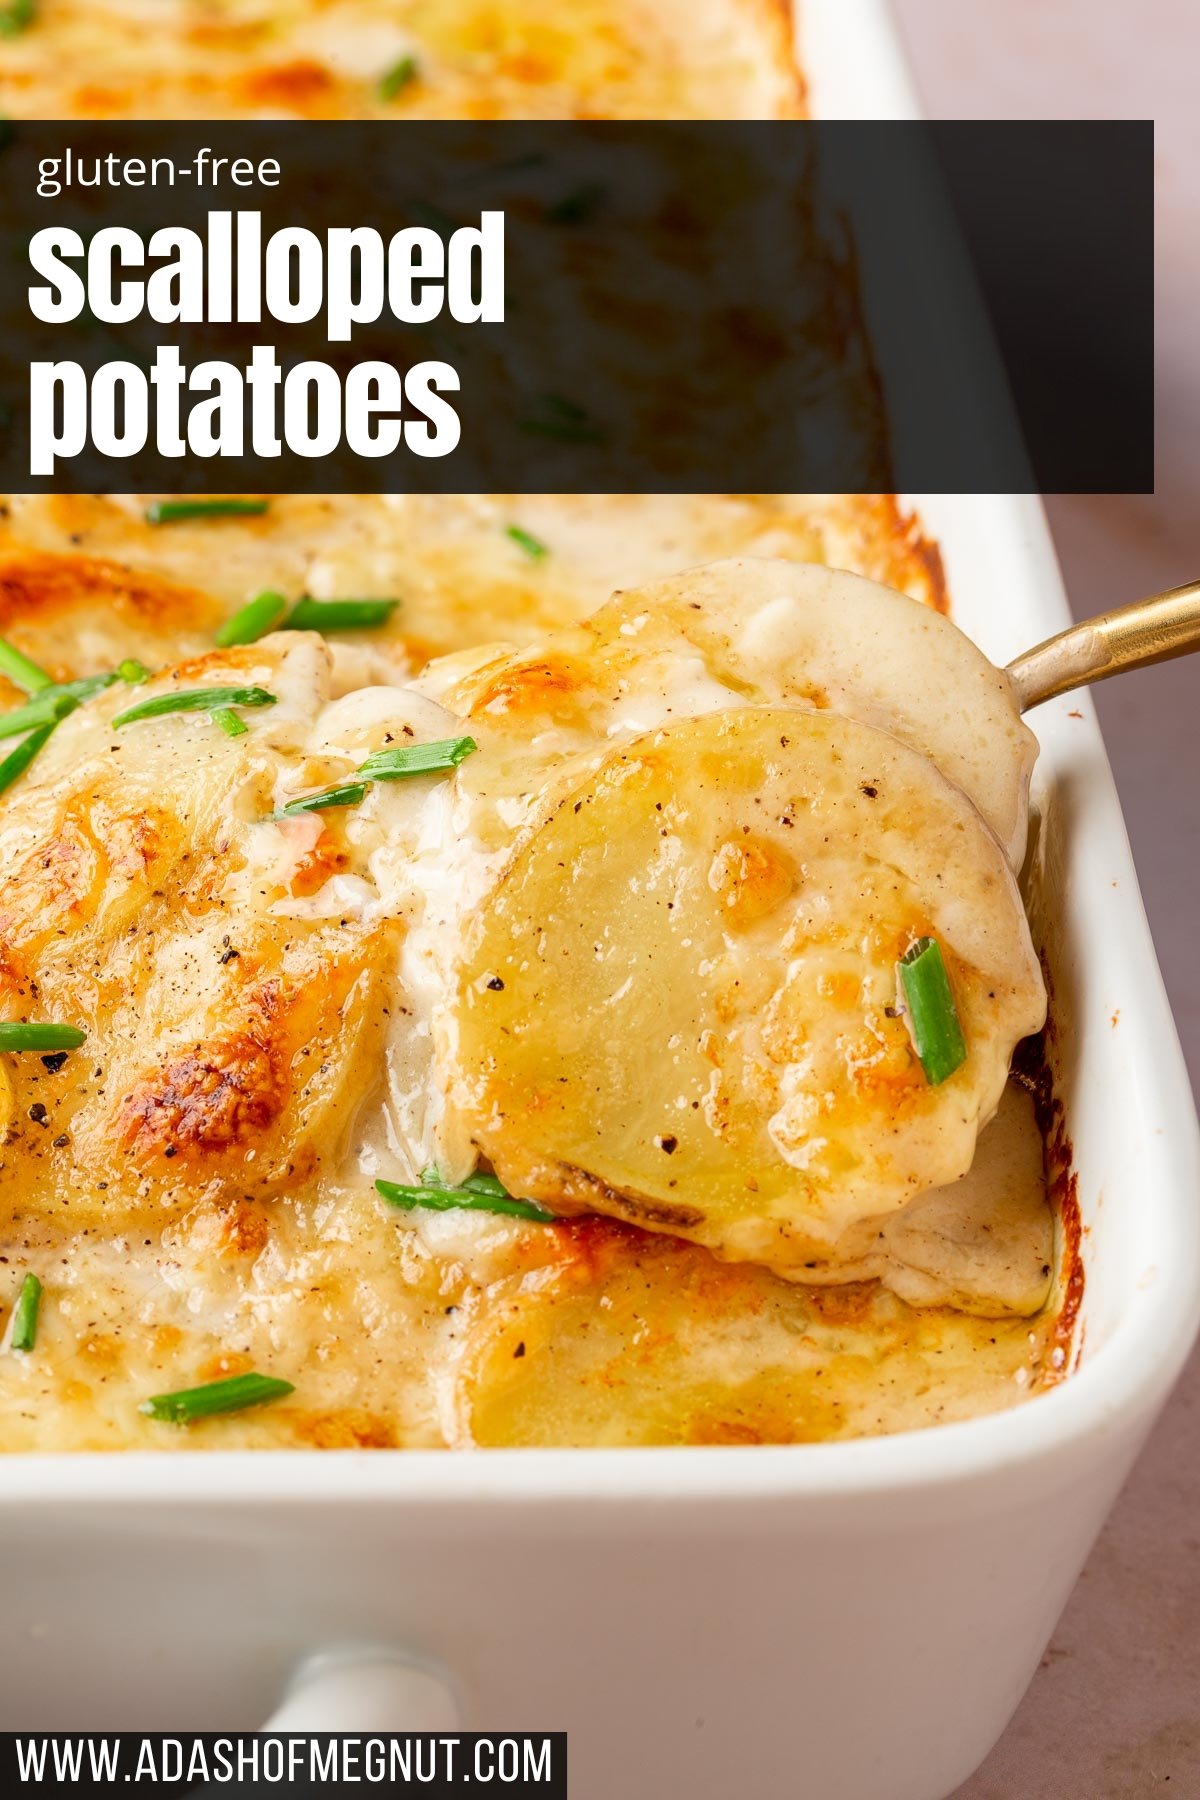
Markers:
<point>453,1330</point>
<point>271,1250</point>
<point>267,1001</point>
<point>326,59</point>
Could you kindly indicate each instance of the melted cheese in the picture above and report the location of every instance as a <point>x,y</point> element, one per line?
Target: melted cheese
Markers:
<point>196,1187</point>
<point>460,579</point>
<point>325,59</point>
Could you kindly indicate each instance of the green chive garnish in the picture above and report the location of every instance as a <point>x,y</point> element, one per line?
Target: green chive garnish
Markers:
<point>209,700</point>
<point>417,759</point>
<point>525,540</point>
<point>229,722</point>
<point>16,16</point>
<point>932,1015</point>
<point>167,512</point>
<point>350,793</point>
<point>230,1395</point>
<point>20,670</point>
<point>25,1315</point>
<point>385,765</point>
<point>18,760</point>
<point>47,708</point>
<point>401,75</point>
<point>50,704</point>
<point>40,1037</point>
<point>339,615</point>
<point>254,620</point>
<point>478,1193</point>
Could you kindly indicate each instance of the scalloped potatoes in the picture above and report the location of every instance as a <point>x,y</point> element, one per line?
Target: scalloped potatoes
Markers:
<point>283,1009</point>
<point>679,1002</point>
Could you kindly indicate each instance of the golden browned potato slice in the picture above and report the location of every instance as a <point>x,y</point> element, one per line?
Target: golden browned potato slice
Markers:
<point>798,633</point>
<point>461,579</point>
<point>984,1244</point>
<point>638,1340</point>
<point>679,1002</point>
<point>228,1044</point>
<point>77,614</point>
<point>328,59</point>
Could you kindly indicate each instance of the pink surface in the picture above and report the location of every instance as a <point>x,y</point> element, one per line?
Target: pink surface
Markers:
<point>1115,1709</point>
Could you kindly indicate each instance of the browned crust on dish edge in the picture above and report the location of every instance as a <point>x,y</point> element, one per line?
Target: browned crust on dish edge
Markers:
<point>1032,1066</point>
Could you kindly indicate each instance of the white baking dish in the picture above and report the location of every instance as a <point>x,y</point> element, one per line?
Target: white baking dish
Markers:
<point>845,1621</point>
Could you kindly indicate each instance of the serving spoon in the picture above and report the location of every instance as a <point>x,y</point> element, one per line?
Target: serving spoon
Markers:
<point>1131,637</point>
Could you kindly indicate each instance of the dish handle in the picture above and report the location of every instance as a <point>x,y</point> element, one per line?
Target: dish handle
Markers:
<point>365,1688</point>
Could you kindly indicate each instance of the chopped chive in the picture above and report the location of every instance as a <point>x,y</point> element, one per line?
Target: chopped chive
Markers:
<point>18,760</point>
<point>230,1395</point>
<point>229,722</point>
<point>479,1193</point>
<point>25,1315</point>
<point>401,75</point>
<point>556,417</point>
<point>35,1035</point>
<point>385,765</point>
<point>51,705</point>
<point>350,793</point>
<point>212,699</point>
<point>338,615</point>
<point>525,540</point>
<point>16,16</point>
<point>417,759</point>
<point>62,697</point>
<point>87,685</point>
<point>477,1184</point>
<point>168,512</point>
<point>20,670</point>
<point>937,1033</point>
<point>254,620</point>
<point>577,205</point>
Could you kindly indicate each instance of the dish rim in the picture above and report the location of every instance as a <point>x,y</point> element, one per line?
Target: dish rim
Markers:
<point>1121,1383</point>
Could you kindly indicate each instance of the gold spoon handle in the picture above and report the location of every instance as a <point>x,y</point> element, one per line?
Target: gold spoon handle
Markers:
<point>1149,631</point>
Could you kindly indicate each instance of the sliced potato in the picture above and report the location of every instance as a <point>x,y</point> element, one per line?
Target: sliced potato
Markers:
<point>77,614</point>
<point>811,636</point>
<point>985,1244</point>
<point>229,1044</point>
<point>678,1004</point>
<point>638,1340</point>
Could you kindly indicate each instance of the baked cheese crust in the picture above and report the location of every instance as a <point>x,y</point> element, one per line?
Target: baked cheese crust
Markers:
<point>473,59</point>
<point>195,1187</point>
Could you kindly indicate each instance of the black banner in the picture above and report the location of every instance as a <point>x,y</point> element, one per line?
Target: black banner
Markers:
<point>251,1765</point>
<point>576,307</point>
